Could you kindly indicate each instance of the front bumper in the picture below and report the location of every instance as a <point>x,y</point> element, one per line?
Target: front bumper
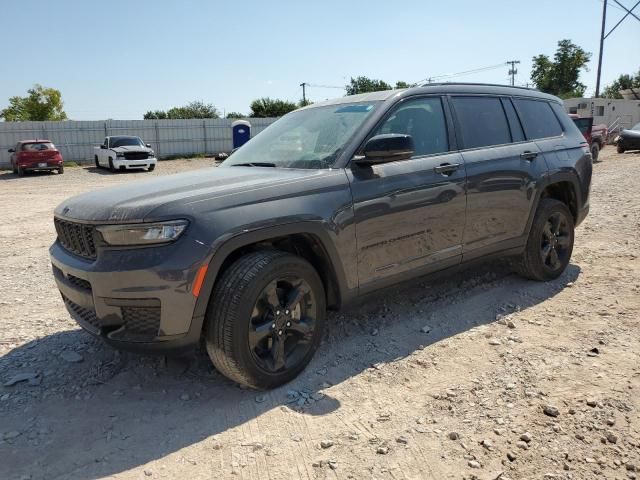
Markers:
<point>122,163</point>
<point>135,299</point>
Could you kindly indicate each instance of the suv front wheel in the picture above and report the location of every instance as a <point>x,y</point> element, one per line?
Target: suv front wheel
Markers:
<point>550,242</point>
<point>265,318</point>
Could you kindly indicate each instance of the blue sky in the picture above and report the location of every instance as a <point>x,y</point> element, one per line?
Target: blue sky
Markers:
<point>120,58</point>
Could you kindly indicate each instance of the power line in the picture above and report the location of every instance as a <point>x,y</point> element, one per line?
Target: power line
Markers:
<point>323,86</point>
<point>458,74</point>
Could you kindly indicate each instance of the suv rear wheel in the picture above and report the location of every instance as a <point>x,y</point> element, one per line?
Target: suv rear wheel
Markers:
<point>595,152</point>
<point>265,318</point>
<point>550,242</point>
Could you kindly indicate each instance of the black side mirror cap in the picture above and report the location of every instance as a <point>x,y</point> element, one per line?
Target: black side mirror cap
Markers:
<point>103,147</point>
<point>11,150</point>
<point>388,147</point>
<point>148,145</point>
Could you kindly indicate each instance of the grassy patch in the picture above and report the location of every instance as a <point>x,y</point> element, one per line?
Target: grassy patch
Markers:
<point>71,164</point>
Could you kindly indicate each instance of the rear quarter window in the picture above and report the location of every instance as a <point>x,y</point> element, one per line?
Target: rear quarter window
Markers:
<point>538,119</point>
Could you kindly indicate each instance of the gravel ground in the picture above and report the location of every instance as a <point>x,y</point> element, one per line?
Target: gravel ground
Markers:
<point>476,375</point>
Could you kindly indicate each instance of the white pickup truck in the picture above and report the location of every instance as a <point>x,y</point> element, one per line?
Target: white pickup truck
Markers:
<point>124,152</point>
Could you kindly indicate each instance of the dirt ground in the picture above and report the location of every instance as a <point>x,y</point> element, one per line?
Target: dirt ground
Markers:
<point>474,375</point>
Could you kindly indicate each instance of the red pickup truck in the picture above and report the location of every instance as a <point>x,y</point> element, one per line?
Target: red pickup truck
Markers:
<point>596,135</point>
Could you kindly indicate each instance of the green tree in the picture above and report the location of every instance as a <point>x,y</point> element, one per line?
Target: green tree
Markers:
<point>304,103</point>
<point>365,84</point>
<point>155,115</point>
<point>561,75</point>
<point>235,115</point>
<point>401,84</point>
<point>623,82</point>
<point>196,109</point>
<point>270,107</point>
<point>40,104</point>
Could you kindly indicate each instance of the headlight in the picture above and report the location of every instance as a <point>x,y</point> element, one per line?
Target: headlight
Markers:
<point>143,233</point>
<point>120,155</point>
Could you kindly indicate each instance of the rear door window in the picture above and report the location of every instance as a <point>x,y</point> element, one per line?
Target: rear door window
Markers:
<point>538,118</point>
<point>482,121</point>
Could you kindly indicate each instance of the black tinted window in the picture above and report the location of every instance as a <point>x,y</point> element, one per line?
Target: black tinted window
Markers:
<point>538,119</point>
<point>482,121</point>
<point>424,120</point>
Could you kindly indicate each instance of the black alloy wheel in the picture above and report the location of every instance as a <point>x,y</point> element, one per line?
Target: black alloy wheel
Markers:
<point>282,324</point>
<point>265,318</point>
<point>556,240</point>
<point>550,242</point>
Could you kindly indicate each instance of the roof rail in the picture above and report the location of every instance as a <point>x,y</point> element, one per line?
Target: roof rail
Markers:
<point>474,84</point>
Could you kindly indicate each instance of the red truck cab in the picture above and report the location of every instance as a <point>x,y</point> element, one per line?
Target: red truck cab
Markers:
<point>596,135</point>
<point>31,155</point>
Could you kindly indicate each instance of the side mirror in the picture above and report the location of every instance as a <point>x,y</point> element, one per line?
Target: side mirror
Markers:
<point>11,150</point>
<point>388,147</point>
<point>103,147</point>
<point>148,145</point>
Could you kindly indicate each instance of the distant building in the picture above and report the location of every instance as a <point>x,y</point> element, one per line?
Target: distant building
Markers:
<point>619,114</point>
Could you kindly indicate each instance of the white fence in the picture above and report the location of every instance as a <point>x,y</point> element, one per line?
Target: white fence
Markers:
<point>76,140</point>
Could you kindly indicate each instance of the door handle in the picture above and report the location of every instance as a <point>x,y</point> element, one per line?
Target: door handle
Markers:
<point>447,168</point>
<point>528,155</point>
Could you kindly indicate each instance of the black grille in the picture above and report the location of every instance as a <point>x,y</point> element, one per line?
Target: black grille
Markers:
<point>141,320</point>
<point>136,155</point>
<point>79,282</point>
<point>76,237</point>
<point>82,315</point>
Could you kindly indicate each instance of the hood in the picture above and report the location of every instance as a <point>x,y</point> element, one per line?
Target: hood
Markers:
<point>131,148</point>
<point>186,194</point>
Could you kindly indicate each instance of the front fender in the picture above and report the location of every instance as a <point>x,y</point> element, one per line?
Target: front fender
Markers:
<point>228,243</point>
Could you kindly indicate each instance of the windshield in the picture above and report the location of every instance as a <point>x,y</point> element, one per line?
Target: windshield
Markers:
<point>125,142</point>
<point>636,127</point>
<point>309,138</point>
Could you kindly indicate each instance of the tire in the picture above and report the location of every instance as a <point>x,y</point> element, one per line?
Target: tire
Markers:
<point>620,149</point>
<point>60,170</point>
<point>14,168</point>
<point>111,167</point>
<point>595,151</point>
<point>241,310</point>
<point>21,171</point>
<point>151,168</point>
<point>537,261</point>
<point>97,162</point>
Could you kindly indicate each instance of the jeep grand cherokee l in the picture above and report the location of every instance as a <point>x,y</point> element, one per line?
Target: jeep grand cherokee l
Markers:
<point>377,188</point>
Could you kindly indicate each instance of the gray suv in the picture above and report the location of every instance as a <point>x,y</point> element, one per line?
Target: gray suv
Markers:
<point>331,202</point>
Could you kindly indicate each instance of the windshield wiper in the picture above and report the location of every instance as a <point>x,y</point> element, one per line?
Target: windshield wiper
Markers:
<point>254,164</point>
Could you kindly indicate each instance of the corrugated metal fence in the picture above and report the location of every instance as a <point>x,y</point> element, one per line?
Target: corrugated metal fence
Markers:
<point>76,140</point>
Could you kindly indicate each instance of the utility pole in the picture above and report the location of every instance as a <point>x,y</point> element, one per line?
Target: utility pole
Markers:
<point>513,70</point>
<point>604,21</point>
<point>304,92</point>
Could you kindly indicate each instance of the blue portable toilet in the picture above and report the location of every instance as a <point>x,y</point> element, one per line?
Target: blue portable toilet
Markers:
<point>241,132</point>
